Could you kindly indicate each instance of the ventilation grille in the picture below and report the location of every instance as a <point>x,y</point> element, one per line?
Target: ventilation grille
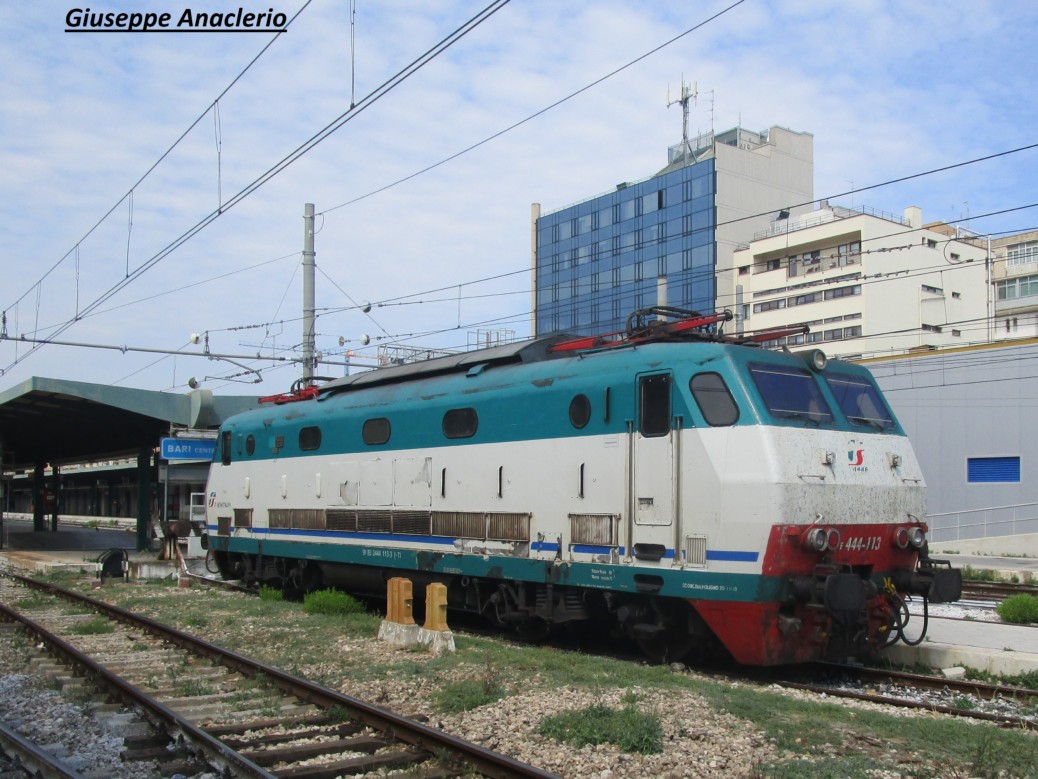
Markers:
<point>243,517</point>
<point>509,527</point>
<point>374,521</point>
<point>341,520</point>
<point>460,524</point>
<point>594,529</point>
<point>297,519</point>
<point>457,524</point>
<point>223,526</point>
<point>695,550</point>
<point>501,526</point>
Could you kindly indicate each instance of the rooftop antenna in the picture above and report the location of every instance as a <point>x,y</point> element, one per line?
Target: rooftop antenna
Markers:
<point>688,93</point>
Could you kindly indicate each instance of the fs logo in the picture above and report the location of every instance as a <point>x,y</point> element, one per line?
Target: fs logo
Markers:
<point>856,457</point>
<point>212,498</point>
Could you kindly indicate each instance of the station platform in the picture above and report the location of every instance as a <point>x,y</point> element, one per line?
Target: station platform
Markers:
<point>77,547</point>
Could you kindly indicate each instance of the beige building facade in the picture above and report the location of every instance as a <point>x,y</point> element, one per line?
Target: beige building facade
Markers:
<point>1015,285</point>
<point>864,282</point>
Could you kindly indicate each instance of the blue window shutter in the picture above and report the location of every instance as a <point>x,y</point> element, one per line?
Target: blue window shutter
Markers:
<point>993,469</point>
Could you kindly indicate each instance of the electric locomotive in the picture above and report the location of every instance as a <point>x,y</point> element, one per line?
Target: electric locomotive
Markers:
<point>691,490</point>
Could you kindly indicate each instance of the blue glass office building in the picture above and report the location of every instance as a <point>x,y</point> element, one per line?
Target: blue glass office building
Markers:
<point>599,260</point>
<point>657,241</point>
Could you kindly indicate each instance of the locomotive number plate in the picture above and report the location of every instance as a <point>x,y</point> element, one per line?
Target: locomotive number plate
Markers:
<point>861,543</point>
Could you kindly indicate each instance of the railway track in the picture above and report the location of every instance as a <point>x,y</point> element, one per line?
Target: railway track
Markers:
<point>1010,707</point>
<point>30,759</point>
<point>995,592</point>
<point>211,707</point>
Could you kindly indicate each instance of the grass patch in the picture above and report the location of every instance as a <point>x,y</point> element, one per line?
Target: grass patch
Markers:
<point>269,594</point>
<point>1027,680</point>
<point>1019,609</point>
<point>467,694</point>
<point>34,601</point>
<point>807,727</point>
<point>331,602</point>
<point>971,574</point>
<point>94,627</point>
<point>631,729</point>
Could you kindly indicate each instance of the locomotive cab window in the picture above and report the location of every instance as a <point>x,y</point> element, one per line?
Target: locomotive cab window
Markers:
<point>310,439</point>
<point>859,401</point>
<point>376,431</point>
<point>714,399</point>
<point>791,393</point>
<point>654,405</point>
<point>460,423</point>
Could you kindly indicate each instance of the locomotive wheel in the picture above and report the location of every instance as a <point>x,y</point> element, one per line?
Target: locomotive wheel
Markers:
<point>533,630</point>
<point>665,646</point>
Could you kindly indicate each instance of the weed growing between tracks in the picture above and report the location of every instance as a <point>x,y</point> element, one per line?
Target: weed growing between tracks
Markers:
<point>804,737</point>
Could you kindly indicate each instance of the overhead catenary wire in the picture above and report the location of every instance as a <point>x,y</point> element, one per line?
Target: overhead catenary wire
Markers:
<point>544,110</point>
<point>330,128</point>
<point>165,154</point>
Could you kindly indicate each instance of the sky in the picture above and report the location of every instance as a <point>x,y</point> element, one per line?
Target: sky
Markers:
<point>137,205</point>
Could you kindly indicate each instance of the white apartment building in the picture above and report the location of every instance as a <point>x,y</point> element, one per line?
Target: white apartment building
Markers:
<point>1015,280</point>
<point>865,283</point>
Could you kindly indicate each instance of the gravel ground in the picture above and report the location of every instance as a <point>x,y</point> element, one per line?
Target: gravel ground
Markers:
<point>698,741</point>
<point>62,728</point>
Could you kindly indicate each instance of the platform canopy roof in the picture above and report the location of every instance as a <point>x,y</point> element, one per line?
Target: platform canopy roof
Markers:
<point>54,421</point>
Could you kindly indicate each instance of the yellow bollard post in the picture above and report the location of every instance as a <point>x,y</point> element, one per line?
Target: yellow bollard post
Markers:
<point>405,602</point>
<point>436,607</point>
<point>391,588</point>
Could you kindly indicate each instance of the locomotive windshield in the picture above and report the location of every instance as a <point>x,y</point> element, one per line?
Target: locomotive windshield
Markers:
<point>860,401</point>
<point>791,393</point>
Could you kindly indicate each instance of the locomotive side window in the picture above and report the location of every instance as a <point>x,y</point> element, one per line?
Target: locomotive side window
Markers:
<point>310,439</point>
<point>225,447</point>
<point>376,431</point>
<point>860,401</point>
<point>791,393</point>
<point>579,411</point>
<point>654,405</point>
<point>250,444</point>
<point>460,423</point>
<point>714,399</point>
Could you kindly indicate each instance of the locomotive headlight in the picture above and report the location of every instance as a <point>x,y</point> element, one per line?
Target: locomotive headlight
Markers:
<point>900,538</point>
<point>832,539</point>
<point>815,540</point>
<point>916,537</point>
<point>815,359</point>
<point>905,537</point>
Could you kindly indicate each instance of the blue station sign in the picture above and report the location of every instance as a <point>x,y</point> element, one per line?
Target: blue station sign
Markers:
<point>187,449</point>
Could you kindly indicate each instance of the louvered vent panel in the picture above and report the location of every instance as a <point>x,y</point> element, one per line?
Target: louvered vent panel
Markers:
<point>341,520</point>
<point>279,518</point>
<point>374,522</point>
<point>243,517</point>
<point>459,524</point>
<point>509,527</point>
<point>695,550</point>
<point>593,529</point>
<point>307,519</point>
<point>416,523</point>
